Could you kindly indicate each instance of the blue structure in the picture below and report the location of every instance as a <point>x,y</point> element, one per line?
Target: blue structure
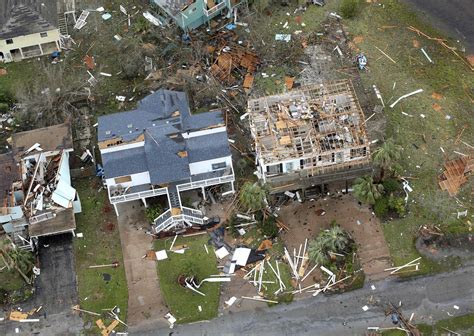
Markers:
<point>190,14</point>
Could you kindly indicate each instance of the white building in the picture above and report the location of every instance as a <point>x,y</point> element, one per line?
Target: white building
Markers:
<point>160,148</point>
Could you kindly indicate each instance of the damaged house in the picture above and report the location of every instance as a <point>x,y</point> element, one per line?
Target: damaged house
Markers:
<point>160,148</point>
<point>310,136</point>
<point>37,196</point>
<point>32,28</point>
<point>190,14</point>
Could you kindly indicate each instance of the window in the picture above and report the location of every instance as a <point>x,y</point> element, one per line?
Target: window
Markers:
<point>289,166</point>
<point>9,41</point>
<point>219,165</point>
<point>45,34</point>
<point>123,179</point>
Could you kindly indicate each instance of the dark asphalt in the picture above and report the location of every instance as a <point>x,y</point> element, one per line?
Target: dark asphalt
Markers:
<point>430,298</point>
<point>454,17</point>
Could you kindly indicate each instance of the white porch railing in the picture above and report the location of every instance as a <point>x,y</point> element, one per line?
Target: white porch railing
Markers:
<point>206,183</point>
<point>138,195</point>
<point>214,9</point>
<point>166,221</point>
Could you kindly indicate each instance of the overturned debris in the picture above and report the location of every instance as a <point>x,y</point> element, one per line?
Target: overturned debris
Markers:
<point>455,174</point>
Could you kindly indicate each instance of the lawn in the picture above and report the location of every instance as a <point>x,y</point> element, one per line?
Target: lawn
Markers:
<point>100,245</point>
<point>183,303</point>
<point>435,121</point>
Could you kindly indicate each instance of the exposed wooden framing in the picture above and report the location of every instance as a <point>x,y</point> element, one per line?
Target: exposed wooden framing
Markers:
<point>322,126</point>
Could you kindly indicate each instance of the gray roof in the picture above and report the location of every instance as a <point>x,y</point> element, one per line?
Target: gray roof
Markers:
<point>22,20</point>
<point>164,163</point>
<point>153,110</point>
<point>208,147</point>
<point>202,120</point>
<point>123,163</point>
<point>155,117</point>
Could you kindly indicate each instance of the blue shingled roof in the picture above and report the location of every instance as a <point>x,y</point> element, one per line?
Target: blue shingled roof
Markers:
<point>156,118</point>
<point>207,147</point>
<point>126,162</point>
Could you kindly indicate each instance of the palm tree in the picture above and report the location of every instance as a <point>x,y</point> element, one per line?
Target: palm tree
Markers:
<point>386,157</point>
<point>253,196</point>
<point>21,260</point>
<point>317,251</point>
<point>336,239</point>
<point>366,191</point>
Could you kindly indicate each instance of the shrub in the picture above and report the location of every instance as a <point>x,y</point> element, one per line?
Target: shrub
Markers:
<point>391,185</point>
<point>397,204</point>
<point>153,211</point>
<point>268,227</point>
<point>381,207</point>
<point>349,8</point>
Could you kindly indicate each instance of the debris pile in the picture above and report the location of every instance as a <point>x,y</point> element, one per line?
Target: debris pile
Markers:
<point>455,174</point>
<point>232,60</point>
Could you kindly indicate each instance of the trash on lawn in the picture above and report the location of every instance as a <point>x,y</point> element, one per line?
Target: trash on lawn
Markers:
<point>258,298</point>
<point>426,55</point>
<point>361,61</point>
<point>241,255</point>
<point>222,252</point>
<point>455,174</point>
<point>106,331</point>
<point>283,37</point>
<point>405,96</point>
<point>77,308</point>
<point>114,265</point>
<point>412,263</point>
<point>161,255</point>
<point>365,308</point>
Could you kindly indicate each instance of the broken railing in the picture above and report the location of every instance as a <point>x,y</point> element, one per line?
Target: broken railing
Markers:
<point>130,196</point>
<point>166,220</point>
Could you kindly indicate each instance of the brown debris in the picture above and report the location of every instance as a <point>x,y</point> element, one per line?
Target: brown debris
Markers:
<point>436,107</point>
<point>455,174</point>
<point>248,82</point>
<point>416,43</point>
<point>89,62</point>
<point>358,39</point>
<point>3,71</point>
<point>437,96</point>
<point>289,82</point>
<point>265,245</point>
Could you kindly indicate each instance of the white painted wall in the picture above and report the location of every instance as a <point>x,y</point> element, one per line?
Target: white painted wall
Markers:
<point>137,179</point>
<point>117,148</point>
<point>206,166</point>
<point>188,135</point>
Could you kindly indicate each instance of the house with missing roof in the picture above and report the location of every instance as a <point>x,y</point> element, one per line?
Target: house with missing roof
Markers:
<point>190,14</point>
<point>160,148</point>
<point>32,28</point>
<point>37,198</point>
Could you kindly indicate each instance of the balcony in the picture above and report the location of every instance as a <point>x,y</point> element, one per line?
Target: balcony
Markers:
<point>215,9</point>
<point>208,179</point>
<point>120,194</point>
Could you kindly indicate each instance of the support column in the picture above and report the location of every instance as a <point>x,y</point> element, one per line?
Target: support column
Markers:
<point>116,211</point>
<point>232,186</point>
<point>41,49</point>
<point>144,202</point>
<point>204,193</point>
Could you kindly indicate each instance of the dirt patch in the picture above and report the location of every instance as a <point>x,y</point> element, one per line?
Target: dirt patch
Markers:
<point>358,39</point>
<point>364,227</point>
<point>109,227</point>
<point>440,247</point>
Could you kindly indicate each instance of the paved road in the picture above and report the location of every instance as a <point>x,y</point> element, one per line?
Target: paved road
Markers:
<point>455,17</point>
<point>431,298</point>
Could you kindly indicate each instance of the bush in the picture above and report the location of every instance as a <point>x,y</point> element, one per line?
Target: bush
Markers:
<point>381,207</point>
<point>391,185</point>
<point>268,227</point>
<point>397,204</point>
<point>152,212</point>
<point>349,8</point>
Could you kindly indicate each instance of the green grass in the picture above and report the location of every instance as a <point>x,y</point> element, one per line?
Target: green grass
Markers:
<point>269,289</point>
<point>463,324</point>
<point>420,137</point>
<point>183,303</point>
<point>10,280</point>
<point>18,73</point>
<point>100,245</point>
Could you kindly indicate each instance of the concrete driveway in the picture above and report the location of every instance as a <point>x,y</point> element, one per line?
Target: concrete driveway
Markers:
<point>144,296</point>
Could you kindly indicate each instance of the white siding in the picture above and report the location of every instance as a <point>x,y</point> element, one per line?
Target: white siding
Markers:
<point>203,132</point>
<point>137,179</point>
<point>206,166</point>
<point>117,148</point>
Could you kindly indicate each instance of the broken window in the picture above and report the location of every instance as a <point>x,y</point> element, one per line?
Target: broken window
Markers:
<point>275,169</point>
<point>9,41</point>
<point>358,152</point>
<point>44,34</point>
<point>123,179</point>
<point>219,165</point>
